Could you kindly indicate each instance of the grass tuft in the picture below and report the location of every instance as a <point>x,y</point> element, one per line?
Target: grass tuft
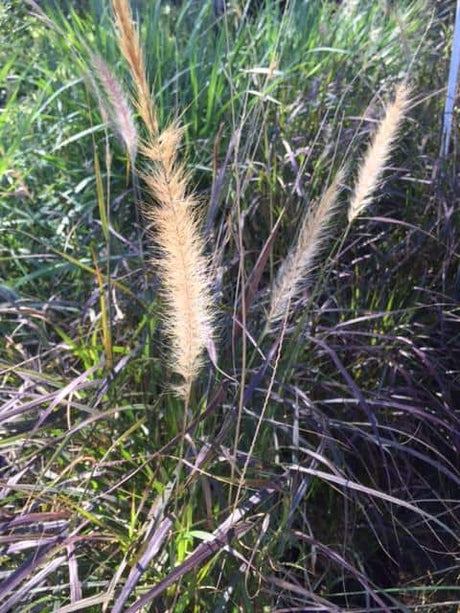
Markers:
<point>315,467</point>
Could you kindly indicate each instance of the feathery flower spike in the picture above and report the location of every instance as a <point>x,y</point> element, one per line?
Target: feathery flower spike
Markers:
<point>293,274</point>
<point>377,154</point>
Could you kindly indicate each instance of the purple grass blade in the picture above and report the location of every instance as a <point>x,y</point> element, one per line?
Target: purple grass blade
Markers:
<point>21,594</point>
<point>259,375</point>
<point>217,186</point>
<point>389,444</point>
<point>85,603</point>
<point>75,585</point>
<point>321,604</point>
<point>199,555</point>
<point>347,484</point>
<point>68,390</point>
<point>338,559</point>
<point>17,576</point>
<point>34,518</point>
<point>155,540</point>
<point>259,267</point>
<point>23,543</point>
<point>228,530</point>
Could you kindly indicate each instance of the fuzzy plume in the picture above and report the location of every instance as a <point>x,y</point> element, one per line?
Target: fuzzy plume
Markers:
<point>128,41</point>
<point>377,154</point>
<point>294,272</point>
<point>116,106</point>
<point>173,222</point>
<point>183,270</point>
<point>163,150</point>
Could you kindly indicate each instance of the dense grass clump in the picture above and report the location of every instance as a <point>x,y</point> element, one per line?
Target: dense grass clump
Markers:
<point>229,325</point>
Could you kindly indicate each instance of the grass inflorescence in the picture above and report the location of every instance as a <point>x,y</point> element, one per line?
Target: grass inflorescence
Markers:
<point>228,308</point>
